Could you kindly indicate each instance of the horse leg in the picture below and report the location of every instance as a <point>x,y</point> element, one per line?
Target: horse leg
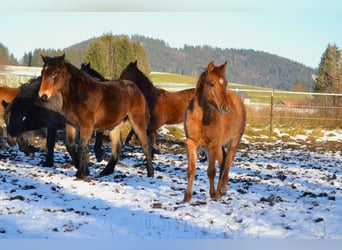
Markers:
<point>2,141</point>
<point>115,138</point>
<point>191,151</point>
<point>83,151</point>
<point>25,147</point>
<point>129,137</point>
<point>211,171</point>
<point>222,159</point>
<point>99,153</point>
<point>70,141</point>
<point>139,124</point>
<point>50,145</point>
<point>222,188</point>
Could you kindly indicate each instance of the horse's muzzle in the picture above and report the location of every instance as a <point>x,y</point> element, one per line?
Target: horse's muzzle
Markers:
<point>224,109</point>
<point>44,98</point>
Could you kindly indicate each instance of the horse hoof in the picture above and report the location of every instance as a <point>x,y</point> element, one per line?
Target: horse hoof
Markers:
<point>223,192</point>
<point>99,156</point>
<point>106,172</point>
<point>48,164</point>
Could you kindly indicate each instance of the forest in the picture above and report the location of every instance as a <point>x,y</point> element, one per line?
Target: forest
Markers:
<point>245,66</point>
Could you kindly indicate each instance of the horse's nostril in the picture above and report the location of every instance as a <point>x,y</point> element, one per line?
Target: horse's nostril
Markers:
<point>44,98</point>
<point>224,109</point>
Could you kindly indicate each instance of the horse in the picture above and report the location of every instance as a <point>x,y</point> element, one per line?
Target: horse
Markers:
<point>92,105</point>
<point>165,107</point>
<point>85,67</point>
<point>7,94</point>
<point>215,118</point>
<point>27,112</point>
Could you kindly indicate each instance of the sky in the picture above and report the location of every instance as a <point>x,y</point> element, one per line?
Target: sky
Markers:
<point>297,30</point>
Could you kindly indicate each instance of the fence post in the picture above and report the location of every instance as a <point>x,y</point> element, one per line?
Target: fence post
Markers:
<point>271,115</point>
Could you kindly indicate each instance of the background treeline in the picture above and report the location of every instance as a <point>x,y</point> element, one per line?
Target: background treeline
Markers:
<point>5,57</point>
<point>244,65</point>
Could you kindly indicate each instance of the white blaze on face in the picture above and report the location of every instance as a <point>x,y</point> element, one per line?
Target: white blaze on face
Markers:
<point>221,81</point>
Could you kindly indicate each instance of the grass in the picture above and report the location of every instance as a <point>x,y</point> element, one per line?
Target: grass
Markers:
<point>171,78</point>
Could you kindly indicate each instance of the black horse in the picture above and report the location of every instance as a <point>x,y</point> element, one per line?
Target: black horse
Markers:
<point>27,113</point>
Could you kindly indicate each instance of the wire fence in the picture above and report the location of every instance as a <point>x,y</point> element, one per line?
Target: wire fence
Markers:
<point>274,108</point>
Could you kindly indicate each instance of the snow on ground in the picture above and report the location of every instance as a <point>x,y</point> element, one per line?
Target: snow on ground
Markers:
<point>280,191</point>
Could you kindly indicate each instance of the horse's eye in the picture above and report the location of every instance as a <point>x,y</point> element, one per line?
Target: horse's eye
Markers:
<point>210,84</point>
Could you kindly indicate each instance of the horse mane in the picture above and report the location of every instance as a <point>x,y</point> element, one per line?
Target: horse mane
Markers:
<point>30,89</point>
<point>141,77</point>
<point>206,119</point>
<point>75,72</point>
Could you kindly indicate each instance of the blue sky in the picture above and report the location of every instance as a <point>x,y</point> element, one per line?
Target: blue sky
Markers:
<point>299,31</point>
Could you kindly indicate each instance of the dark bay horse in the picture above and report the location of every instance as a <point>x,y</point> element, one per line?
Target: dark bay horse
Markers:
<point>92,105</point>
<point>27,112</point>
<point>215,118</point>
<point>165,107</point>
<point>86,68</point>
<point>99,153</point>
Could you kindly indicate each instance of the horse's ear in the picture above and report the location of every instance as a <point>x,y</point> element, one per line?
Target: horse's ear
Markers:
<point>88,65</point>
<point>211,66</point>
<point>4,104</point>
<point>135,63</point>
<point>223,68</point>
<point>44,58</point>
<point>60,59</point>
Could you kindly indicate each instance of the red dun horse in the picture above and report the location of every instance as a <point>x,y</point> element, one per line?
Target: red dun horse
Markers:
<point>215,118</point>
<point>165,107</point>
<point>92,105</point>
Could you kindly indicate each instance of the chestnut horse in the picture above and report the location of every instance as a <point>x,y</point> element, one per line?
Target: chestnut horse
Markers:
<point>92,105</point>
<point>7,94</point>
<point>165,107</point>
<point>215,118</point>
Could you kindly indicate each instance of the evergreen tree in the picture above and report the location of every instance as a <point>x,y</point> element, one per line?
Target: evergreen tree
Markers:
<point>109,55</point>
<point>329,72</point>
<point>6,57</point>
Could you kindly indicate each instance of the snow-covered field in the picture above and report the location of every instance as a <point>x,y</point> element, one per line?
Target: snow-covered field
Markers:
<point>276,190</point>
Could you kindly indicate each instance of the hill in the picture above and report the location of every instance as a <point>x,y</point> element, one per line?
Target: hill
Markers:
<point>244,65</point>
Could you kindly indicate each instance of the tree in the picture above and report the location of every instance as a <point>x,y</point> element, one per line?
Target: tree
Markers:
<point>110,54</point>
<point>6,57</point>
<point>329,73</point>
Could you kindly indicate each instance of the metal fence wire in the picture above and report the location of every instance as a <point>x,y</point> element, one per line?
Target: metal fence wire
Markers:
<point>276,108</point>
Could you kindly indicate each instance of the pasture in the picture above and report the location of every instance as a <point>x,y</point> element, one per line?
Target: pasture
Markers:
<point>278,189</point>
<point>284,186</point>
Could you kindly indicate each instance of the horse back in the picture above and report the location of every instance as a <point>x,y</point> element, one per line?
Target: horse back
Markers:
<point>172,104</point>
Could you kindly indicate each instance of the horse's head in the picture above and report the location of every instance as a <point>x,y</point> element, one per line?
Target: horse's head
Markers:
<point>85,67</point>
<point>130,72</point>
<point>211,88</point>
<point>16,114</point>
<point>53,76</point>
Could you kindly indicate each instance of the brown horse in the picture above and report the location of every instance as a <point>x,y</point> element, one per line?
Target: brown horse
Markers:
<point>7,94</point>
<point>165,107</point>
<point>91,105</point>
<point>215,118</point>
